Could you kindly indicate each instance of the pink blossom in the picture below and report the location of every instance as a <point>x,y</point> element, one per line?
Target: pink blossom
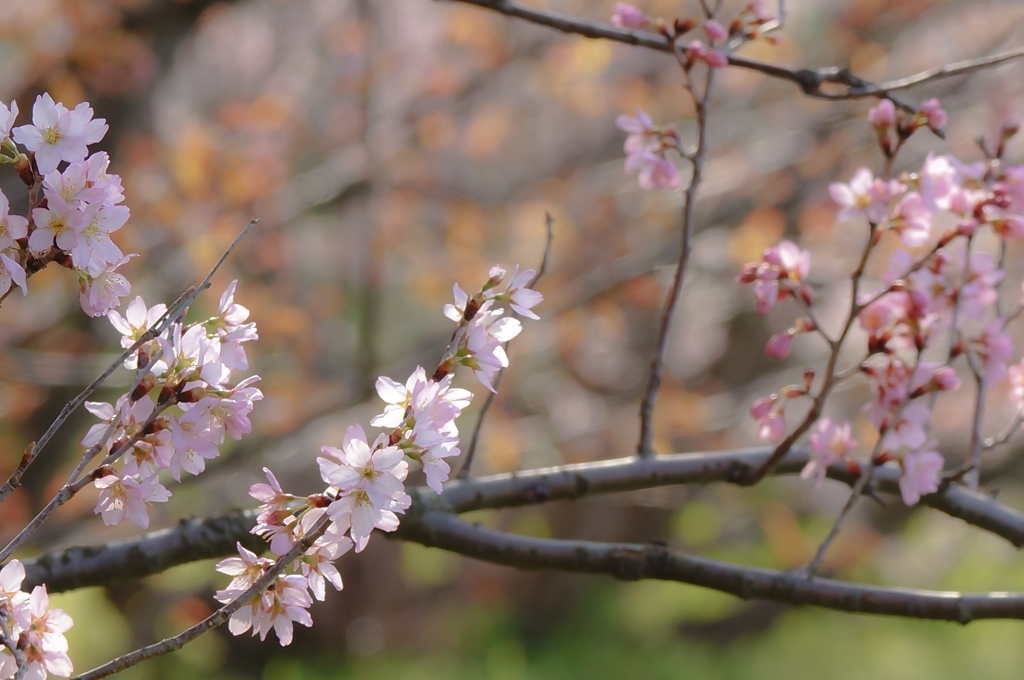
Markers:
<point>933,113</point>
<point>43,644</point>
<point>136,321</point>
<point>912,220</point>
<point>779,345</point>
<point>317,564</point>
<point>883,115</point>
<point>865,195</point>
<point>7,118</point>
<point>378,472</point>
<point>515,292</point>
<point>921,474</point>
<point>102,287</point>
<point>830,444</point>
<point>94,239</point>
<point>627,16</point>
<point>909,429</point>
<point>246,569</point>
<point>11,272</point>
<point>979,293</point>
<point>60,222</point>
<point>713,58</point>
<point>357,511</point>
<point>715,31</point>
<point>12,227</point>
<point>1016,374</point>
<point>57,134</point>
<point>128,498</point>
<point>995,347</point>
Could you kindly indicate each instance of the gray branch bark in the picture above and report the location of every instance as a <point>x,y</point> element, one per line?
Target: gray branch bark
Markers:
<point>199,539</point>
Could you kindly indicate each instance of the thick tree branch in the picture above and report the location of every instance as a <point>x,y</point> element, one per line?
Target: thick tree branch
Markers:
<point>215,537</point>
<point>810,81</point>
<point>632,562</point>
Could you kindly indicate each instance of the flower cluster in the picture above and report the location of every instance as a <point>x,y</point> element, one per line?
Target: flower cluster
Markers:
<point>37,630</point>
<point>646,147</point>
<point>179,413</point>
<point>366,480</point>
<point>938,301</point>
<point>80,205</point>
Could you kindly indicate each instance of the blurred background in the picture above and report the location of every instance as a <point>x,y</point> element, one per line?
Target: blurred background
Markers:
<point>393,148</point>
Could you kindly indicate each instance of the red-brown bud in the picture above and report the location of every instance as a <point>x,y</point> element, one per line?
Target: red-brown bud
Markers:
<point>318,500</point>
<point>144,387</point>
<point>101,472</point>
<point>192,395</point>
<point>24,168</point>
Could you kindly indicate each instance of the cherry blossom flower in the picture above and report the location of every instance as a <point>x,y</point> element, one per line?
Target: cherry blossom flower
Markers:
<point>712,57</point>
<point>921,474</point>
<point>933,114</point>
<point>909,428</point>
<point>627,16</point>
<point>912,220</point>
<point>520,298</point>
<point>979,292</point>
<point>11,272</point>
<point>94,238</point>
<point>995,347</point>
<point>128,498</point>
<point>7,118</point>
<point>60,222</point>
<point>865,195</point>
<point>715,31</point>
<point>645,149</point>
<point>882,116</point>
<point>779,345</point>
<point>57,134</point>
<point>103,287</point>
<point>378,472</point>
<point>317,563</point>
<point>12,227</point>
<point>771,421</point>
<point>42,640</point>
<point>830,444</point>
<point>245,569</point>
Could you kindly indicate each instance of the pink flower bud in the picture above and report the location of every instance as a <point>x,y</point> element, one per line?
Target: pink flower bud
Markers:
<point>715,59</point>
<point>934,114</point>
<point>715,31</point>
<point>779,345</point>
<point>748,274</point>
<point>883,115</point>
<point>627,16</point>
<point>761,407</point>
<point>945,379</point>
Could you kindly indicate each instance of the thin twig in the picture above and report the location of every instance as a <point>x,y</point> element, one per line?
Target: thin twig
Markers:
<point>215,619</point>
<point>701,102</point>
<point>474,440</point>
<point>810,81</point>
<point>858,488</point>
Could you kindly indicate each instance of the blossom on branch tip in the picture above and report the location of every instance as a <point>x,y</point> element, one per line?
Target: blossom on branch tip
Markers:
<point>882,116</point>
<point>830,444</point>
<point>645,148</point>
<point>128,498</point>
<point>627,16</point>
<point>7,118</point>
<point>933,114</point>
<point>865,195</point>
<point>57,134</point>
<point>12,227</point>
<point>920,474</point>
